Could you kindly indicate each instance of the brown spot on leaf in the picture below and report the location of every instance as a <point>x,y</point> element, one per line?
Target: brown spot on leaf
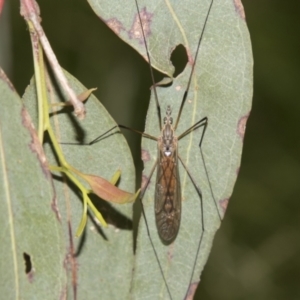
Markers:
<point>191,291</point>
<point>115,25</point>
<point>224,204</point>
<point>239,8</point>
<point>242,126</point>
<point>136,31</point>
<point>191,60</point>
<point>145,155</point>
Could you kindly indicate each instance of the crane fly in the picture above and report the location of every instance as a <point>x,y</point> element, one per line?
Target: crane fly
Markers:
<point>168,187</point>
<point>168,191</point>
<point>167,195</point>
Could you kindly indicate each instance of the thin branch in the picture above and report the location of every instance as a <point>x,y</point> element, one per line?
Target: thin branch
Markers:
<point>31,13</point>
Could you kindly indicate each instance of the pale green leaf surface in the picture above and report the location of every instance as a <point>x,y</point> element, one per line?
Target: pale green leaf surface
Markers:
<point>221,90</point>
<point>28,222</point>
<point>104,255</point>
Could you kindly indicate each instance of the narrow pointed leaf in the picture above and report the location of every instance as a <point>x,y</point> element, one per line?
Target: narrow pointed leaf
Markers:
<point>107,191</point>
<point>81,97</point>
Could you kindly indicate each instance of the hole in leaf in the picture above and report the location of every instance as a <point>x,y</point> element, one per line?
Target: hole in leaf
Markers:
<point>179,59</point>
<point>28,264</point>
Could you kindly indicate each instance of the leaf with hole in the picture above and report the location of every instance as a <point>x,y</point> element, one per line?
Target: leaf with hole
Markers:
<point>101,254</point>
<point>32,241</point>
<point>221,90</point>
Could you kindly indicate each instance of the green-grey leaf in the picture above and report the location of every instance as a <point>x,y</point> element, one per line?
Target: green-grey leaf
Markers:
<point>104,256</point>
<point>221,90</point>
<point>30,227</point>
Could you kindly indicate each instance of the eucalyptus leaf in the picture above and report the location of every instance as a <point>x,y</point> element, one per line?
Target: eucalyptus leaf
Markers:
<point>102,256</point>
<point>32,242</point>
<point>221,90</point>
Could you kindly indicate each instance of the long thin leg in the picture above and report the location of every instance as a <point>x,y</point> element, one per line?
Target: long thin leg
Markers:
<point>202,217</point>
<point>150,67</point>
<point>193,67</point>
<point>149,136</point>
<point>147,227</point>
<point>97,139</point>
<point>200,123</point>
<point>203,122</point>
<point>209,183</point>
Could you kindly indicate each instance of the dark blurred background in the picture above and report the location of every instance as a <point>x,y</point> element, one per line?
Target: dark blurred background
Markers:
<point>256,253</point>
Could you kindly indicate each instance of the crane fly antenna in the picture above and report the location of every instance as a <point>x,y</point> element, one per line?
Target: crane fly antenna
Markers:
<point>193,67</point>
<point>150,67</point>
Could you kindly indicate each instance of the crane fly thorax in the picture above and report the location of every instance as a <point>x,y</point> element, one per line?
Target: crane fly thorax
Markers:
<point>167,140</point>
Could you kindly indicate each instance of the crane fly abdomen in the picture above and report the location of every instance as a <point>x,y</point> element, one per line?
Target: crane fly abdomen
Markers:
<point>167,188</point>
<point>167,200</point>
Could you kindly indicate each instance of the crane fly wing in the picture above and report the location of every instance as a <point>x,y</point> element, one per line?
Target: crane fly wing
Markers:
<point>167,196</point>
